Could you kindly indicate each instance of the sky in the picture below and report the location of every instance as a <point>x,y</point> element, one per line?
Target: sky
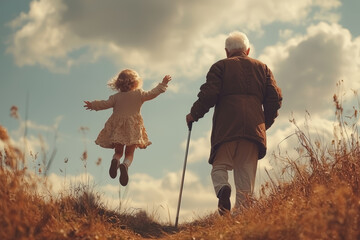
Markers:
<point>56,54</point>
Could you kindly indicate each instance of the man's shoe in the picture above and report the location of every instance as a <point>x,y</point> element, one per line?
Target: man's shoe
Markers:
<point>124,177</point>
<point>224,204</point>
<point>113,168</point>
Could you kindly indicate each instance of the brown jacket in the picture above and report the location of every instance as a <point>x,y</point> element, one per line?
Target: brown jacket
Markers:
<point>246,99</point>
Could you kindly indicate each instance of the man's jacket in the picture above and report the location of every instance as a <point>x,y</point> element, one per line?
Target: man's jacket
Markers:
<point>246,99</point>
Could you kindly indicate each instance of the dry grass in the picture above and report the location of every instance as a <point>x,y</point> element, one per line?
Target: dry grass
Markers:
<point>25,214</point>
<point>321,201</point>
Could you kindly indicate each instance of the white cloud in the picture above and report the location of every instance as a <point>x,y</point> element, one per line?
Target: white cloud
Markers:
<point>283,140</point>
<point>146,192</point>
<point>152,36</point>
<point>39,38</point>
<point>327,4</point>
<point>199,149</point>
<point>61,184</point>
<point>286,33</point>
<point>308,67</point>
<point>158,197</point>
<point>28,125</point>
<point>30,140</point>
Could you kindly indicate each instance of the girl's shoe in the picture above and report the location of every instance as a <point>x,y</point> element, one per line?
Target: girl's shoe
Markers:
<point>124,177</point>
<point>113,168</point>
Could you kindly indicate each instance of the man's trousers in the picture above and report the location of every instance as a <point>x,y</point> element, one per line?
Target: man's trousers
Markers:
<point>242,157</point>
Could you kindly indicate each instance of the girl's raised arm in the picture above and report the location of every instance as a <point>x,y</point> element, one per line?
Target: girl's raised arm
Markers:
<point>160,88</point>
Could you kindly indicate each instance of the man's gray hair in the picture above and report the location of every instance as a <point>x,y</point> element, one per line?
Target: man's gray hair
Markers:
<point>237,40</point>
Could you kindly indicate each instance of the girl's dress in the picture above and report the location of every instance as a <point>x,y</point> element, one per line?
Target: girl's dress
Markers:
<point>125,126</point>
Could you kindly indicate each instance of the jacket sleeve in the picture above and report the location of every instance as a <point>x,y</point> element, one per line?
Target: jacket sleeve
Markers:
<point>272,100</point>
<point>103,104</point>
<point>153,93</point>
<point>209,92</point>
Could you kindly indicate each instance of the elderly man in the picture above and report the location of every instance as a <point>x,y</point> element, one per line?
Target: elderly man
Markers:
<point>246,99</point>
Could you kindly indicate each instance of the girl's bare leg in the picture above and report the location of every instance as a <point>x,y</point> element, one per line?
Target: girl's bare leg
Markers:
<point>115,162</point>
<point>129,155</point>
<point>119,150</point>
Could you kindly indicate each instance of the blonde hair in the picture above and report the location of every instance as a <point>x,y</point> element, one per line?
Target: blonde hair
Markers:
<point>125,81</point>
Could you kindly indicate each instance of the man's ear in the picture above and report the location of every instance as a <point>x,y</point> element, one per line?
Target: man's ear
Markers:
<point>247,51</point>
<point>227,52</point>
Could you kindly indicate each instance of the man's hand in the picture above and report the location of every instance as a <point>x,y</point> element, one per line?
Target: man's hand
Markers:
<point>189,119</point>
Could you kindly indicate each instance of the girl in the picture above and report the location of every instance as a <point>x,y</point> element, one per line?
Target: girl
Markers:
<point>125,127</point>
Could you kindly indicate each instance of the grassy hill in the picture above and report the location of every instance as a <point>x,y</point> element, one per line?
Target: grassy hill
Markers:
<point>320,201</point>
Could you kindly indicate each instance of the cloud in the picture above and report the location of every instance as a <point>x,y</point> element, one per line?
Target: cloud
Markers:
<point>283,140</point>
<point>146,191</point>
<point>40,39</point>
<point>308,67</point>
<point>158,197</point>
<point>33,138</point>
<point>59,184</point>
<point>199,149</point>
<point>180,36</point>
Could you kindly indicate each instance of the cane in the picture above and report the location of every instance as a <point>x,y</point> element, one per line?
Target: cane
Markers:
<point>183,174</point>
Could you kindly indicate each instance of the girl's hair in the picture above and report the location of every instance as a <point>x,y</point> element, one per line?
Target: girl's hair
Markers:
<point>125,81</point>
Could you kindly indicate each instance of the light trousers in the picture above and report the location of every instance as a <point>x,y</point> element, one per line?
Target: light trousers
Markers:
<point>242,157</point>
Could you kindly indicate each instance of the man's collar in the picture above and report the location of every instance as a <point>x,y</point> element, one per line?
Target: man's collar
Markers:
<point>238,53</point>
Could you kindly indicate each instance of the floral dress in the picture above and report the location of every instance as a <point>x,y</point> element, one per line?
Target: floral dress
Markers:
<point>125,126</point>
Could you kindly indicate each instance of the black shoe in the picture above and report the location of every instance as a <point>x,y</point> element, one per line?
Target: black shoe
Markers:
<point>224,204</point>
<point>124,177</point>
<point>113,168</point>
